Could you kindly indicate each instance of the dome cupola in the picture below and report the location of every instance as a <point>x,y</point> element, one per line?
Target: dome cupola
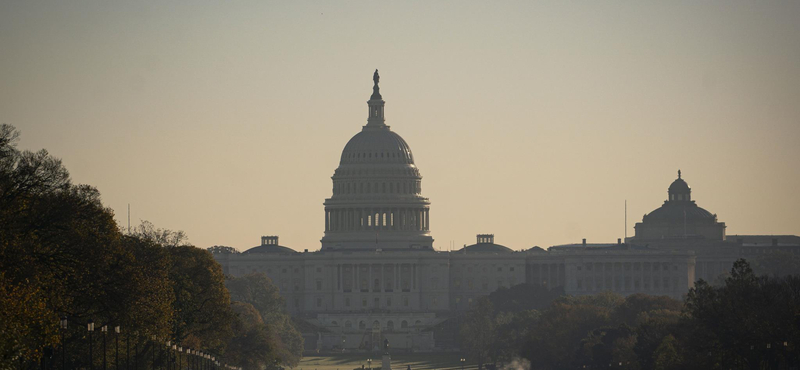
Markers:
<point>679,190</point>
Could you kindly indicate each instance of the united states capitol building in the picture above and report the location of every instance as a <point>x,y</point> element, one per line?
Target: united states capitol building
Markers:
<point>378,277</point>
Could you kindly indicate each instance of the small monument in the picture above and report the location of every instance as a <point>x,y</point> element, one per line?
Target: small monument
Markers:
<point>386,361</point>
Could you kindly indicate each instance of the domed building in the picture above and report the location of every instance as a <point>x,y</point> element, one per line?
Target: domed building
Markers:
<point>679,217</point>
<point>377,275</point>
<point>377,200</point>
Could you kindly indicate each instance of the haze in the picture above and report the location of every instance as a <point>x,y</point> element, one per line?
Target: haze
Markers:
<point>534,121</point>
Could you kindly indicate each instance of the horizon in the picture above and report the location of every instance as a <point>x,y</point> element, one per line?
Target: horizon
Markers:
<point>532,122</point>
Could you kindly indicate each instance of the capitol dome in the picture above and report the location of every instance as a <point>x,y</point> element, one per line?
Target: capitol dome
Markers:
<point>377,200</point>
<point>376,145</point>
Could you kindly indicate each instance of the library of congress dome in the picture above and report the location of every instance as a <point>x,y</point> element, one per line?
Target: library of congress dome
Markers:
<point>377,275</point>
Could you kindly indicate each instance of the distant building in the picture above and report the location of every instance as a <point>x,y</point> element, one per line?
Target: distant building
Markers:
<point>378,277</point>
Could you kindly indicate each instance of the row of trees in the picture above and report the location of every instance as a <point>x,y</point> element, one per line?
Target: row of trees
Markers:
<point>748,322</point>
<point>62,254</point>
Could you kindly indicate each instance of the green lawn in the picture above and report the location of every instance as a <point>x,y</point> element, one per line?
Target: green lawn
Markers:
<point>400,361</point>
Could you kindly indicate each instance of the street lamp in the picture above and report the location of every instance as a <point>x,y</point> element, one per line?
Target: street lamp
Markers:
<point>180,350</point>
<point>369,363</point>
<point>462,363</point>
<point>116,347</point>
<point>63,343</point>
<point>153,367</point>
<point>168,355</point>
<point>90,328</point>
<point>104,329</point>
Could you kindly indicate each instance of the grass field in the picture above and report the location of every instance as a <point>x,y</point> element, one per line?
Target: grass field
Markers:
<point>400,361</point>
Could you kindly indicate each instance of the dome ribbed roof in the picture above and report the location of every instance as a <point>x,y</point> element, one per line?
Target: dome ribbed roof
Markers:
<point>376,145</point>
<point>486,248</point>
<point>270,248</point>
<point>674,212</point>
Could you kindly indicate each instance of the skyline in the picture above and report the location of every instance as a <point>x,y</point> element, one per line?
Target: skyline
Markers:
<point>227,122</point>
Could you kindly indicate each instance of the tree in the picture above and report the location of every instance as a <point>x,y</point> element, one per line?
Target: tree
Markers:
<point>478,332</point>
<point>61,249</point>
<point>259,291</point>
<point>222,249</point>
<point>202,303</point>
<point>666,356</point>
<point>253,345</point>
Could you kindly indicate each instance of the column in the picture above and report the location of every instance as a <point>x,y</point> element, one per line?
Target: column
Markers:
<point>327,220</point>
<point>383,277</point>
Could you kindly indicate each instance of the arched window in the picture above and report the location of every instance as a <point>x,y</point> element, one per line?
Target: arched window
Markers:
<point>418,323</point>
<point>403,324</point>
<point>376,324</point>
<point>348,324</point>
<point>362,325</point>
<point>390,325</point>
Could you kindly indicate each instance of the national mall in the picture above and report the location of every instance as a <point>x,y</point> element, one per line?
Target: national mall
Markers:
<point>378,277</point>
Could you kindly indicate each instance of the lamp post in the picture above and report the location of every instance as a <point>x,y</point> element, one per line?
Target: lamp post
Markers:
<point>90,328</point>
<point>462,363</point>
<point>63,343</point>
<point>116,347</point>
<point>180,350</point>
<point>369,363</point>
<point>168,355</point>
<point>174,355</point>
<point>104,329</point>
<point>136,351</point>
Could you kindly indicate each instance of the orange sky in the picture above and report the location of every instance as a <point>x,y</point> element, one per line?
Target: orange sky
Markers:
<point>530,120</point>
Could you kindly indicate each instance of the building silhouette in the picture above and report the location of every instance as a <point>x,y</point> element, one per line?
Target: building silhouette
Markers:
<point>377,276</point>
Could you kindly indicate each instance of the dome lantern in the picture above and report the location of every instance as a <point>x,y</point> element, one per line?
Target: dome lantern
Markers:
<point>679,190</point>
<point>376,105</point>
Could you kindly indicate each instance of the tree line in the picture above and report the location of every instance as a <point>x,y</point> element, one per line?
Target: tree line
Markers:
<point>748,321</point>
<point>62,255</point>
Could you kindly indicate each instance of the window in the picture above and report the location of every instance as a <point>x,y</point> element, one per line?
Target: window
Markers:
<point>377,302</point>
<point>283,271</point>
<point>388,301</point>
<point>499,269</point>
<point>458,300</point>
<point>403,324</point>
<point>319,284</point>
<point>405,301</point>
<point>296,270</point>
<point>319,269</point>
<point>296,303</point>
<point>376,324</point>
<point>510,269</point>
<point>390,325</point>
<point>362,325</point>
<point>435,302</point>
<point>334,323</point>
<point>364,302</point>
<point>347,301</point>
<point>348,324</point>
<point>319,302</point>
<point>580,284</point>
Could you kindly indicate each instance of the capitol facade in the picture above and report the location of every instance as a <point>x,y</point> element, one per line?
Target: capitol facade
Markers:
<point>378,277</point>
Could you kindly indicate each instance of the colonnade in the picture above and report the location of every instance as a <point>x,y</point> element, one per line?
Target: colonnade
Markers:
<point>377,218</point>
<point>627,277</point>
<point>390,277</point>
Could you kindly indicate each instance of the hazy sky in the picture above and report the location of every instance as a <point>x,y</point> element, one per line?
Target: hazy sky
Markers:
<point>530,120</point>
